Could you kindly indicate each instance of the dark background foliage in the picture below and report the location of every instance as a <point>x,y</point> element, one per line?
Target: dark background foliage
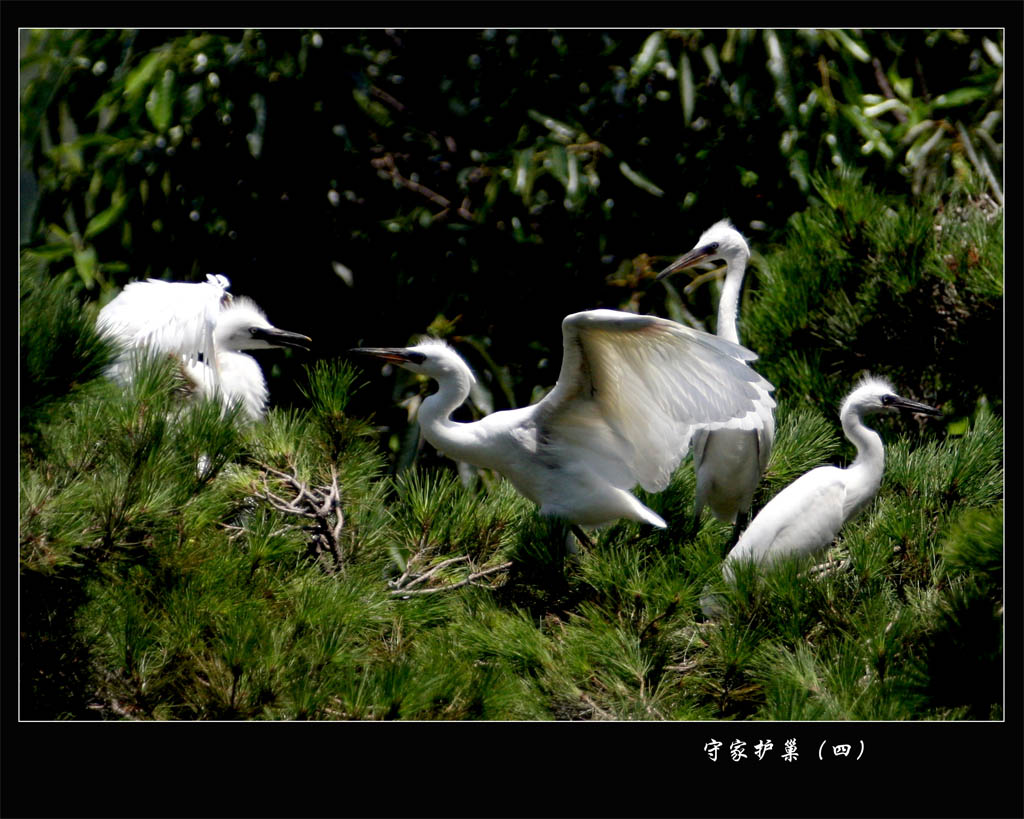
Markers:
<point>366,186</point>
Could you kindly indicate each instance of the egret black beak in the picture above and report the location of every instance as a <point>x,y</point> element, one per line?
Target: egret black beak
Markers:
<point>694,257</point>
<point>397,355</point>
<point>899,402</point>
<point>281,338</point>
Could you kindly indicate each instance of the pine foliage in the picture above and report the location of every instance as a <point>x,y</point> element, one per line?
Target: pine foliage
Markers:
<point>177,564</point>
<point>839,297</point>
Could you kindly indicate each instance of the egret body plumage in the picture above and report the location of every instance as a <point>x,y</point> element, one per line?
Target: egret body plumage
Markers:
<point>631,391</point>
<point>205,327</point>
<point>728,462</point>
<point>805,517</point>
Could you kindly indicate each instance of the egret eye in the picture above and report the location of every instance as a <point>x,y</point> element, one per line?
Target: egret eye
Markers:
<point>887,400</point>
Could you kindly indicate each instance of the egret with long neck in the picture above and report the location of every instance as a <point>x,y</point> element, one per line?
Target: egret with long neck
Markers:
<point>630,394</point>
<point>805,517</point>
<point>728,462</point>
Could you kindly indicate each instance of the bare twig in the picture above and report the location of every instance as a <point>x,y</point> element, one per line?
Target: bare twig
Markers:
<point>981,165</point>
<point>319,504</point>
<point>387,164</point>
<point>883,83</point>
<point>683,668</point>
<point>428,574</point>
<point>472,579</point>
<point>597,710</point>
<point>829,567</point>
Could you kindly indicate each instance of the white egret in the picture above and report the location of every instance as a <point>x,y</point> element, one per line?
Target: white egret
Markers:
<point>205,327</point>
<point>630,393</point>
<point>728,462</point>
<point>805,517</point>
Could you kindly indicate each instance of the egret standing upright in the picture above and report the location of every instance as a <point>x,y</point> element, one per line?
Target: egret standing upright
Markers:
<point>728,462</point>
<point>805,517</point>
<point>630,393</point>
<point>203,326</point>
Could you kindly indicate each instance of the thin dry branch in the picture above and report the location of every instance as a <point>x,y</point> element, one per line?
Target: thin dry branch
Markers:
<point>321,504</point>
<point>387,164</point>
<point>403,586</point>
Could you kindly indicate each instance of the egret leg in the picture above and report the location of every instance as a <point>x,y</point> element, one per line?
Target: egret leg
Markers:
<point>581,536</point>
<point>742,519</point>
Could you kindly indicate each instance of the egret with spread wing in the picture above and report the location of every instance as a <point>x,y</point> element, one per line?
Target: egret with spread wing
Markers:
<point>631,392</point>
<point>805,517</point>
<point>728,462</point>
<point>205,327</point>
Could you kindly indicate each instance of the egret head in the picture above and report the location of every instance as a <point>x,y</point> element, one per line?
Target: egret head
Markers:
<point>431,356</point>
<point>720,241</point>
<point>243,326</point>
<point>874,396</point>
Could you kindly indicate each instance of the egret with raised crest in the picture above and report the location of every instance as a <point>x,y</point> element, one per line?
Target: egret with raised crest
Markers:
<point>805,517</point>
<point>203,326</point>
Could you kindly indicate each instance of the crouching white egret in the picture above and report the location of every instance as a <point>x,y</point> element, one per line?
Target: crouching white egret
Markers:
<point>630,393</point>
<point>728,462</point>
<point>805,517</point>
<point>206,328</point>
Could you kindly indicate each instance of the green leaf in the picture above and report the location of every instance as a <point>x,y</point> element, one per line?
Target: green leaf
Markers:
<point>104,219</point>
<point>557,164</point>
<point>137,81</point>
<point>957,428</point>
<point>522,180</point>
<point>852,46</point>
<point>880,108</point>
<point>258,103</point>
<point>52,252</point>
<point>559,130</point>
<point>903,87</point>
<point>686,88</point>
<point>58,235</point>
<point>86,264</point>
<point>647,57</point>
<point>961,96</point>
<point>69,150</point>
<point>372,108</point>
<point>160,103</point>
<point>639,180</point>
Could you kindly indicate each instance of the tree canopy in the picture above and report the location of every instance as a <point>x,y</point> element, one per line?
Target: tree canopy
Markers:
<point>369,186</point>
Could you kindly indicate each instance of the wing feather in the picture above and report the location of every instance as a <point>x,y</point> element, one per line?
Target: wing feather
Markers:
<point>648,383</point>
<point>169,317</point>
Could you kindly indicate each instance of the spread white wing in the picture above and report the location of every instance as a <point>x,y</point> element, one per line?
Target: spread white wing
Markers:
<point>632,390</point>
<point>168,317</point>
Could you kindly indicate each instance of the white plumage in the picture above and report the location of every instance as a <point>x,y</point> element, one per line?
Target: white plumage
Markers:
<point>631,392</point>
<point>805,517</point>
<point>205,327</point>
<point>728,463</point>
